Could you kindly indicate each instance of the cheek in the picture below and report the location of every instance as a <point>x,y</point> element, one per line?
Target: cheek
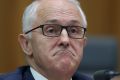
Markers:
<point>39,46</point>
<point>43,46</point>
<point>51,44</point>
<point>41,52</point>
<point>78,46</point>
<point>79,50</point>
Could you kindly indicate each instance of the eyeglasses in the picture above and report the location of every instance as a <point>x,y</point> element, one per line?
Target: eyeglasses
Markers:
<point>54,30</point>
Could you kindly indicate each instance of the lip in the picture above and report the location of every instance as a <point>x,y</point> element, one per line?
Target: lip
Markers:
<point>64,52</point>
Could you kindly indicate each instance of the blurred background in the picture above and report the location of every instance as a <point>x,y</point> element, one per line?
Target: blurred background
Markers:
<point>103,18</point>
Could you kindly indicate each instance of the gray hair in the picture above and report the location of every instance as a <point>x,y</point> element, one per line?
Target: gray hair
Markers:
<point>29,15</point>
<point>77,3</point>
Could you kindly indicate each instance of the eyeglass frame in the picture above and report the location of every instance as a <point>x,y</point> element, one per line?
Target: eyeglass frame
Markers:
<point>62,27</point>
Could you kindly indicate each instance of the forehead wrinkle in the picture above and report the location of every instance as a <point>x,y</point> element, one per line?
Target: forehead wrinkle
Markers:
<point>45,12</point>
<point>71,22</point>
<point>48,6</point>
<point>59,18</point>
<point>61,9</point>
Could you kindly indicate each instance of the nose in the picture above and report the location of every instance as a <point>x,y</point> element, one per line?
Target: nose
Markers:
<point>64,39</point>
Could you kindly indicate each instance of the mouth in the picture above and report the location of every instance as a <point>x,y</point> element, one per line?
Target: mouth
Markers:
<point>64,52</point>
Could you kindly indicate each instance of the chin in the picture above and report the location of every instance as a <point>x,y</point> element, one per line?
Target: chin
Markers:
<point>67,67</point>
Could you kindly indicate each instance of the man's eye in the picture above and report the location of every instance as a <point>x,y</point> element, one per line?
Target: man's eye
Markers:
<point>74,30</point>
<point>50,30</point>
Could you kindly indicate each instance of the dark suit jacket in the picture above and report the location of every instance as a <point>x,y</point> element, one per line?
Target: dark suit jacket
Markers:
<point>23,73</point>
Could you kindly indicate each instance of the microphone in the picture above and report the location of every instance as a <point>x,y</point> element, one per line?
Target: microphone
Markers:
<point>105,74</point>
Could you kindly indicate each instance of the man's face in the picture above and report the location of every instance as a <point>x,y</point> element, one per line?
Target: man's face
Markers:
<point>61,53</point>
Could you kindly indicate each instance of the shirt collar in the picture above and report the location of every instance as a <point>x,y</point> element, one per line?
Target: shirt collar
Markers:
<point>38,76</point>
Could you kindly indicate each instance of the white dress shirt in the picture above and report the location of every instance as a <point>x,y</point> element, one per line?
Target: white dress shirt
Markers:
<point>36,75</point>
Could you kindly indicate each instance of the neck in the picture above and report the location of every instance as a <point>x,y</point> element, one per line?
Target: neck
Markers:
<point>56,75</point>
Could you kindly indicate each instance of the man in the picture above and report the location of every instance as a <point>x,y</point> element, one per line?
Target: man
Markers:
<point>53,40</point>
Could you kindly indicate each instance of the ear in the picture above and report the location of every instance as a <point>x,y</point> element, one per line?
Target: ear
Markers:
<point>25,44</point>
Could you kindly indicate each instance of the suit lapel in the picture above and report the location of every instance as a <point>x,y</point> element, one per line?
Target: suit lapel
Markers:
<point>27,75</point>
